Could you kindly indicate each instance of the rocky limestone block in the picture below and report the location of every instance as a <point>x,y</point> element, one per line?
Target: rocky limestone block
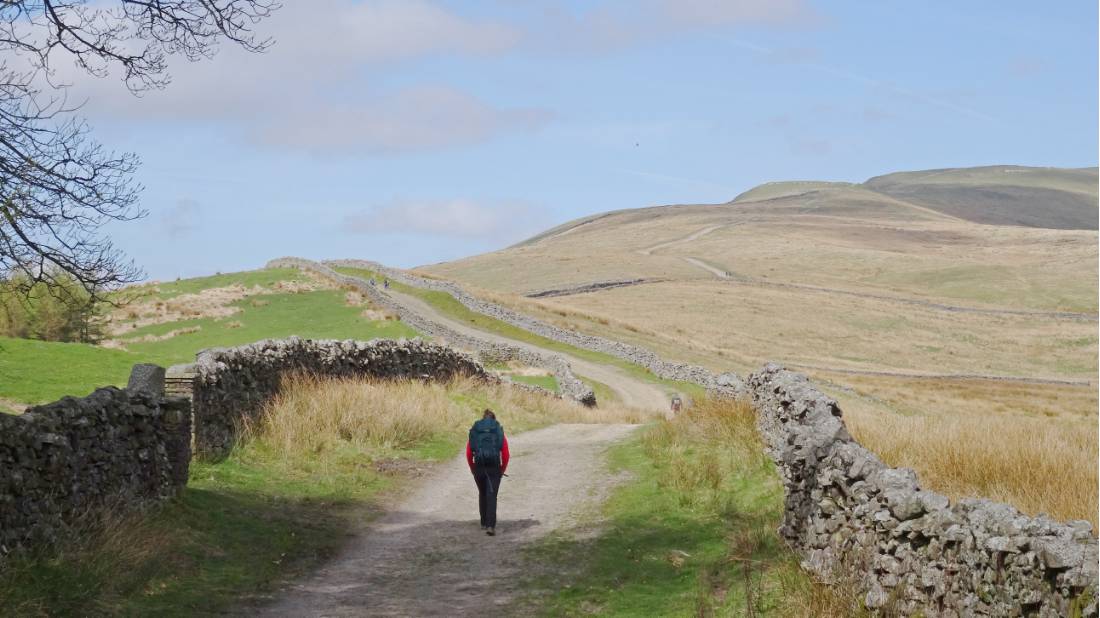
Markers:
<point>146,378</point>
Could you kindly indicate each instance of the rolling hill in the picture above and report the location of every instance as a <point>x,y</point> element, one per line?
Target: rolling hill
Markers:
<point>913,293</point>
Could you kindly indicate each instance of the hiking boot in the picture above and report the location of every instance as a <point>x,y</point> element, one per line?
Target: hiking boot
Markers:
<point>491,531</point>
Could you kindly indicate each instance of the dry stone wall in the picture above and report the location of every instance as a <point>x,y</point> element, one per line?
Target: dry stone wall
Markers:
<point>638,355</point>
<point>232,385</point>
<point>854,519</point>
<point>61,460</point>
<point>569,385</point>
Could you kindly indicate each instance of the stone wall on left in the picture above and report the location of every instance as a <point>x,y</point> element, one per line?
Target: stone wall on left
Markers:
<point>61,460</point>
<point>232,385</point>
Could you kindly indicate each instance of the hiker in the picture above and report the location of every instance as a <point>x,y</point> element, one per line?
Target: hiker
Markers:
<point>386,283</point>
<point>487,456</point>
<point>677,403</point>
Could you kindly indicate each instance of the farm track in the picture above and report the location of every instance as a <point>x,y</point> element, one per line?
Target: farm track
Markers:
<point>427,556</point>
<point>631,391</point>
<point>690,237</point>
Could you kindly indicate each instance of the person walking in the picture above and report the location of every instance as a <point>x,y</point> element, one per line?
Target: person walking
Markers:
<point>487,456</point>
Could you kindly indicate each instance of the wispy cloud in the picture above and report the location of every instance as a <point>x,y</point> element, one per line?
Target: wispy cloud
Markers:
<point>620,23</point>
<point>501,221</point>
<point>809,60</point>
<point>415,119</point>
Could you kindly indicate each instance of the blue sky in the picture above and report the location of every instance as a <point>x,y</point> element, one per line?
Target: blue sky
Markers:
<point>416,131</point>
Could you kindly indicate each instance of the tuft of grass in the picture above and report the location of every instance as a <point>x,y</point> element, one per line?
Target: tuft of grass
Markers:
<point>692,533</point>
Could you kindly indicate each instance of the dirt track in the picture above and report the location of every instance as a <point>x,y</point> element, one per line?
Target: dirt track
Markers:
<point>631,391</point>
<point>428,556</point>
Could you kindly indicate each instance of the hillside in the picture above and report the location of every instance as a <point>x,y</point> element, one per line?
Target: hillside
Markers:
<point>168,323</point>
<point>891,291</point>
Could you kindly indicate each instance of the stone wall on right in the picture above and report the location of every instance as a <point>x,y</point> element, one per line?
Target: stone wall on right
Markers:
<point>855,520</point>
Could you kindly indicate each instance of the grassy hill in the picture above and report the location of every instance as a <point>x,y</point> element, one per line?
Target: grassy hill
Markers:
<point>869,288</point>
<point>168,323</point>
<point>1002,195</point>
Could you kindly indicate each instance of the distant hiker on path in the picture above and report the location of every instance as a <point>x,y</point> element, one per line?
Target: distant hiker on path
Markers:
<point>487,455</point>
<point>386,283</point>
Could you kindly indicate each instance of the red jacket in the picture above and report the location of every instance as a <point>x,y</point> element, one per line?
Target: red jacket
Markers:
<point>503,456</point>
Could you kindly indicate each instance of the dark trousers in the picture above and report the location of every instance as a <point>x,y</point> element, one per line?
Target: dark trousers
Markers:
<point>488,485</point>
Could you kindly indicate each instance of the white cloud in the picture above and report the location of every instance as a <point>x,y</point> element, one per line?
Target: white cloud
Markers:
<point>423,118</point>
<point>315,87</point>
<point>500,221</point>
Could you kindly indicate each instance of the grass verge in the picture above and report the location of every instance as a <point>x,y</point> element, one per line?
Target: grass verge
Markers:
<point>550,383</point>
<point>305,474</point>
<point>691,534</point>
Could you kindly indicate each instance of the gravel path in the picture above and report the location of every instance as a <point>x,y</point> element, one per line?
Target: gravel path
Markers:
<point>428,556</point>
<point>631,391</point>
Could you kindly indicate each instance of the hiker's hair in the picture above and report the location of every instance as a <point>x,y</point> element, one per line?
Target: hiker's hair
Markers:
<point>489,414</point>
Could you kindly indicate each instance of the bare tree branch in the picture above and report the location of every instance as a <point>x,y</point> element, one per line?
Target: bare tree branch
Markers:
<point>58,186</point>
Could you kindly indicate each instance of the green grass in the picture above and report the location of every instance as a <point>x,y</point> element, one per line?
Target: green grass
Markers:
<point>692,534</point>
<point>603,392</point>
<point>317,315</point>
<point>37,371</point>
<point>40,371</point>
<point>550,383</point>
<point>450,306</point>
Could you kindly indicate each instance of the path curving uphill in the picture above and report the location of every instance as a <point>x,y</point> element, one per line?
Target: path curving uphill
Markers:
<point>631,391</point>
<point>428,557</point>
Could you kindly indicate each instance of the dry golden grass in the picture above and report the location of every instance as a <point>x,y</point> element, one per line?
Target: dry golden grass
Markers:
<point>1032,445</point>
<point>1040,465</point>
<point>311,416</point>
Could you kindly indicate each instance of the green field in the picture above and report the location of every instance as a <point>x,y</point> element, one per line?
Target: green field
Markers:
<point>40,371</point>
<point>37,371</point>
<point>319,315</point>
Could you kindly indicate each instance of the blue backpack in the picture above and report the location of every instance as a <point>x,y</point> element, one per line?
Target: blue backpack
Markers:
<point>486,441</point>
